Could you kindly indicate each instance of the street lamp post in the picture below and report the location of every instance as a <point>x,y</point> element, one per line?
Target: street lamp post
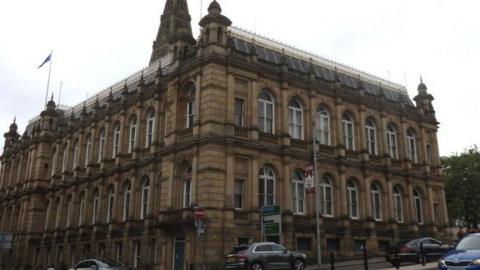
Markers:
<point>317,189</point>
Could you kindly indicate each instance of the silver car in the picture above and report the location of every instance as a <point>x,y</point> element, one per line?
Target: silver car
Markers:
<point>93,264</point>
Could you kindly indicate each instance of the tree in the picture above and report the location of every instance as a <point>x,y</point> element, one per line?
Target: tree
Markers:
<point>462,186</point>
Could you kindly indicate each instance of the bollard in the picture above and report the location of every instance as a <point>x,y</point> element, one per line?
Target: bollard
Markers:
<point>396,259</point>
<point>422,254</point>
<point>365,259</point>
<point>332,261</point>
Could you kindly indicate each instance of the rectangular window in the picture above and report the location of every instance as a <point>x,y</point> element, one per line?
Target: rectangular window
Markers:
<point>333,244</point>
<point>383,246</point>
<point>187,193</point>
<point>238,195</point>
<point>137,255</point>
<point>118,251</point>
<point>358,245</point>
<point>72,255</point>
<point>239,112</point>
<point>243,241</point>
<point>101,250</point>
<point>190,113</point>
<point>435,211</point>
<point>304,244</point>
<point>429,154</point>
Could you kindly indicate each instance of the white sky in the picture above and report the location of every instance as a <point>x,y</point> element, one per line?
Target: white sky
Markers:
<point>97,43</point>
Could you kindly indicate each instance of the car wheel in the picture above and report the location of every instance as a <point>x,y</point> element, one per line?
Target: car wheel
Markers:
<point>299,265</point>
<point>256,266</point>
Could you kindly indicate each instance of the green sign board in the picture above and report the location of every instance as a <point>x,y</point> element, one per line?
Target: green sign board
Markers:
<point>271,229</point>
<point>271,220</point>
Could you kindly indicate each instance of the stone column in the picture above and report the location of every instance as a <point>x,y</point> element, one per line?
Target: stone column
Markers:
<point>253,115</point>
<point>281,106</point>
<point>361,129</point>
<point>402,140</point>
<point>285,185</point>
<point>429,211</point>
<point>230,177</point>
<point>389,209</point>
<point>366,198</point>
<point>198,101</point>
<point>254,185</point>
<point>158,122</point>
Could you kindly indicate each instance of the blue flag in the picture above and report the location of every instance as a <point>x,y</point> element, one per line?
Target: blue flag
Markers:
<point>49,57</point>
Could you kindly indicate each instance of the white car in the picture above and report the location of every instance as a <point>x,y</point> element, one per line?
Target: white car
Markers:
<point>93,264</point>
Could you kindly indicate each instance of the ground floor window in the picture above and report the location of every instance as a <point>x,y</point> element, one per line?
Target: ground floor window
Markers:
<point>383,246</point>
<point>358,245</point>
<point>243,240</point>
<point>333,244</point>
<point>274,239</point>
<point>304,244</point>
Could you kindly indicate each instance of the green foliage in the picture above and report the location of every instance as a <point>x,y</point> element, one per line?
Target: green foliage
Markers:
<point>462,186</point>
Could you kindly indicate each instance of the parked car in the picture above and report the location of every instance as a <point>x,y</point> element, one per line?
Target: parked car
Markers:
<point>465,256</point>
<point>265,255</point>
<point>409,251</point>
<point>103,264</point>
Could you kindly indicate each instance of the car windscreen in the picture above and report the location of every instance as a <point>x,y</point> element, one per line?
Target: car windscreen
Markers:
<point>111,263</point>
<point>239,249</point>
<point>469,243</point>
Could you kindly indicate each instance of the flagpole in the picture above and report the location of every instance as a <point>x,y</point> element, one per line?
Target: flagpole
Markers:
<point>48,80</point>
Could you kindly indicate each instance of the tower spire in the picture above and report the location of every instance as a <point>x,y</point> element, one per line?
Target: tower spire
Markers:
<point>175,26</point>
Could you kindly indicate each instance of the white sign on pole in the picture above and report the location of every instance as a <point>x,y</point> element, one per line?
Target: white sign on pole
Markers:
<point>309,180</point>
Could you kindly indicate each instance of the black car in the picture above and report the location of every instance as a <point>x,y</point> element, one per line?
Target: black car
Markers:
<point>265,255</point>
<point>409,251</point>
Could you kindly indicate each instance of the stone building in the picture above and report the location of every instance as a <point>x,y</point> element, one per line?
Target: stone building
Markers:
<point>226,122</point>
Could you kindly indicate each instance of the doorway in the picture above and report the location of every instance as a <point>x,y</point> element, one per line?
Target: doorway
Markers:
<point>178,253</point>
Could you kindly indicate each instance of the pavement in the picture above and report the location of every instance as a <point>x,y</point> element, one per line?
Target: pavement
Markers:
<point>373,264</point>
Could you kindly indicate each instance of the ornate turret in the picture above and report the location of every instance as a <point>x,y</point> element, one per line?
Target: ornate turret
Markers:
<point>12,136</point>
<point>424,100</point>
<point>49,116</point>
<point>215,26</point>
<point>175,29</point>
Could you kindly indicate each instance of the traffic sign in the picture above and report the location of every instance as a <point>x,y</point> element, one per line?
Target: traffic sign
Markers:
<point>199,212</point>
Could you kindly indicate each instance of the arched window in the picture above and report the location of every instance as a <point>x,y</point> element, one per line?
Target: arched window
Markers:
<point>322,124</point>
<point>110,201</point>
<point>88,150</point>
<point>352,200</point>
<point>81,209</point>
<point>266,187</point>
<point>58,214</point>
<point>371,137</point>
<point>116,140</point>
<point>190,109</point>
<point>101,145</point>
<point>397,204</point>
<point>145,188</point>
<point>131,134</point>
<point>54,162</point>
<point>295,120</point>
<point>150,128</point>
<point>69,205</point>
<point>126,200</point>
<point>326,202</point>
<point>187,187</point>
<point>376,202</point>
<point>266,113</point>
<point>392,141</point>
<point>65,159</point>
<point>75,154</point>
<point>348,132</point>
<point>95,205</point>
<point>412,146</point>
<point>298,193</point>
<point>417,203</point>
